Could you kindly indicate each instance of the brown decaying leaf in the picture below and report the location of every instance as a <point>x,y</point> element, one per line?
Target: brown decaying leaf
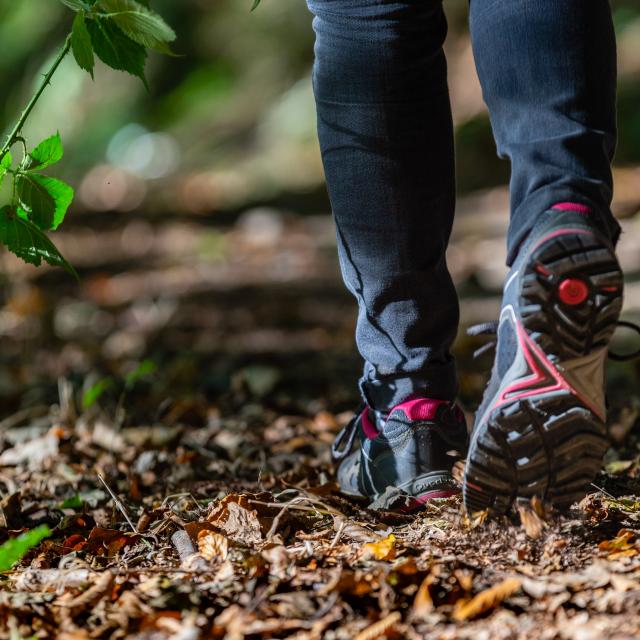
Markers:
<point>384,549</point>
<point>423,602</point>
<point>95,592</point>
<point>213,546</point>
<point>476,519</point>
<point>378,628</point>
<point>531,520</point>
<point>10,508</point>
<point>485,600</point>
<point>234,516</point>
<point>354,531</point>
<point>110,540</point>
<point>458,471</point>
<point>35,453</point>
<point>624,545</point>
<point>464,578</point>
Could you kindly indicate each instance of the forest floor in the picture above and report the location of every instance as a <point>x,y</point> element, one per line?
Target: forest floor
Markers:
<point>169,419</point>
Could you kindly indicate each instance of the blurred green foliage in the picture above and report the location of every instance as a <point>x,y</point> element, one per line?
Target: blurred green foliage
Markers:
<point>13,550</point>
<point>237,99</point>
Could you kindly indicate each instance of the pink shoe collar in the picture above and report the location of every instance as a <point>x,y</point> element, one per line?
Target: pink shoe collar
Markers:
<point>414,409</point>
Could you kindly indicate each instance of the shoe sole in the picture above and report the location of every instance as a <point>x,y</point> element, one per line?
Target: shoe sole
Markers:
<point>427,487</point>
<point>544,434</point>
<point>415,495</point>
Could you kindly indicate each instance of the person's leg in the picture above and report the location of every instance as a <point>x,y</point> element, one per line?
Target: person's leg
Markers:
<point>386,135</point>
<point>548,75</point>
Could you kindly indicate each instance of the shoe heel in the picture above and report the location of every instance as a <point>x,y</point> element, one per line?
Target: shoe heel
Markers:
<point>571,294</point>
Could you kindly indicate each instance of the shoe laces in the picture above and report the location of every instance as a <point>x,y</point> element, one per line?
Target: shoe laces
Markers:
<point>491,328</point>
<point>343,443</point>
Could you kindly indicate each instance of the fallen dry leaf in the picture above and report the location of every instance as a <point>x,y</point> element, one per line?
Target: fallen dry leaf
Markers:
<point>34,453</point>
<point>213,546</point>
<point>234,516</point>
<point>278,560</point>
<point>384,549</point>
<point>485,600</point>
<point>101,587</point>
<point>377,629</point>
<point>474,520</point>
<point>423,602</point>
<point>532,522</point>
<point>458,471</point>
<point>622,546</point>
<point>354,531</point>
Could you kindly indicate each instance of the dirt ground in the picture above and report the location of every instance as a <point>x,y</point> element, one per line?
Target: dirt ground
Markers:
<point>169,418</point>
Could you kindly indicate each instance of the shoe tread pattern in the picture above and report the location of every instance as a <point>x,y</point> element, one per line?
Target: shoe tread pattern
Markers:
<point>550,445</point>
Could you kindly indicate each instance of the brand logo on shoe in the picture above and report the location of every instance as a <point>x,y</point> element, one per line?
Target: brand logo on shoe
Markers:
<point>573,291</point>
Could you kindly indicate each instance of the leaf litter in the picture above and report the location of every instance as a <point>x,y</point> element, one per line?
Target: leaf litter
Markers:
<point>153,540</point>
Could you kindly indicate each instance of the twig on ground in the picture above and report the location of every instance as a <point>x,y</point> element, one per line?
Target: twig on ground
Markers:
<point>336,538</point>
<point>285,508</point>
<point>183,544</point>
<point>118,503</point>
<point>187,552</point>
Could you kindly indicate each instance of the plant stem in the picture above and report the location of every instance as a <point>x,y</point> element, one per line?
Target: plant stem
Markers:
<point>14,135</point>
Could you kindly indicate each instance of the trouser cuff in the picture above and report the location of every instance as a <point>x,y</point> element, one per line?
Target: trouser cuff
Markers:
<point>437,382</point>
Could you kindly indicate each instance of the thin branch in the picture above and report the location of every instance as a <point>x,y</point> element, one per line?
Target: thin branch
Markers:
<point>118,503</point>
<point>15,133</point>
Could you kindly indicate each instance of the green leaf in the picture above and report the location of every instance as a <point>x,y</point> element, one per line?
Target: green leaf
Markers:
<point>14,550</point>
<point>48,152</point>
<point>81,44</point>
<point>74,502</point>
<point>5,165</point>
<point>44,199</point>
<point>139,23</point>
<point>28,242</point>
<point>145,368</point>
<point>115,49</point>
<point>76,5</point>
<point>93,393</point>
<point>37,202</point>
<point>256,3</point>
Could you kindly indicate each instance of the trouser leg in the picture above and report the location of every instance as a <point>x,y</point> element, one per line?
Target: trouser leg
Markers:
<point>548,75</point>
<point>385,129</point>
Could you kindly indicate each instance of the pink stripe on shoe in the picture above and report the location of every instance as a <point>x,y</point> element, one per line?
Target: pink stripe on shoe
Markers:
<point>572,206</point>
<point>368,428</point>
<point>420,408</point>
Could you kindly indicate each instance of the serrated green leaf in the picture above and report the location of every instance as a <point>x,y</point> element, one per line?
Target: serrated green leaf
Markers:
<point>24,239</point>
<point>35,200</point>
<point>138,22</point>
<point>48,152</point>
<point>115,49</point>
<point>81,44</point>
<point>76,5</point>
<point>44,199</point>
<point>5,165</point>
<point>13,551</point>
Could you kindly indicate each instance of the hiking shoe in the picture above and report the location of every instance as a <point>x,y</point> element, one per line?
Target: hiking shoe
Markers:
<point>540,430</point>
<point>408,452</point>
